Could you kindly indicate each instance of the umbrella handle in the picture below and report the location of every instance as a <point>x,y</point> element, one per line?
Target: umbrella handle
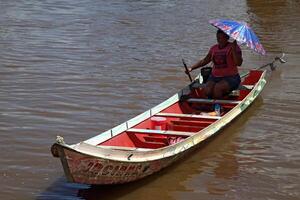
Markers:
<point>187,70</point>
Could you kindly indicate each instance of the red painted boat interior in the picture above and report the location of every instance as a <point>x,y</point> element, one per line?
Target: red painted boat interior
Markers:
<point>177,124</point>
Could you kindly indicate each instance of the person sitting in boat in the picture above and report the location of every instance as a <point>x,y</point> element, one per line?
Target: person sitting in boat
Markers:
<point>226,57</point>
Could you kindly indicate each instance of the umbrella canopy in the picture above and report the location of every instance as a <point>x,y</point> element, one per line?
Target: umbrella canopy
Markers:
<point>241,32</point>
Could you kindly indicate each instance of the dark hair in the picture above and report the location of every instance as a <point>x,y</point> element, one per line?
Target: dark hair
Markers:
<point>220,31</point>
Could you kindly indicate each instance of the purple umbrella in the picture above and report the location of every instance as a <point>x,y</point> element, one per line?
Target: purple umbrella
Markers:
<point>241,32</point>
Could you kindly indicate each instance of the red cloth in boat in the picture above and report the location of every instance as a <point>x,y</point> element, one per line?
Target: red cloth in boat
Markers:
<point>222,59</point>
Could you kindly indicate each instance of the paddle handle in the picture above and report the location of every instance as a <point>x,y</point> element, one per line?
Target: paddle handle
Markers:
<point>187,70</point>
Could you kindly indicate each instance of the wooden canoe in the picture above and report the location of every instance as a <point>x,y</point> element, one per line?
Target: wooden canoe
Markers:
<point>156,138</point>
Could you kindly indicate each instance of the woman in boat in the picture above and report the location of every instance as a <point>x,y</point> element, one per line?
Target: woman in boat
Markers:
<point>226,57</point>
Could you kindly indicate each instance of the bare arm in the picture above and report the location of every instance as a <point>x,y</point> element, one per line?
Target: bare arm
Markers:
<point>237,57</point>
<point>201,63</point>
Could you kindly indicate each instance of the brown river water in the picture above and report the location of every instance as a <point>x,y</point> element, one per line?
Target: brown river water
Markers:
<point>77,68</point>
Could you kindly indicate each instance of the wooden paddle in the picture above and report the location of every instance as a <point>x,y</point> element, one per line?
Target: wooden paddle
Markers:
<point>187,70</point>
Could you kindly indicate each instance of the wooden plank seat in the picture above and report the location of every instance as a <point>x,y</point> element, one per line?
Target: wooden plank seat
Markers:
<point>198,123</point>
<point>124,148</point>
<point>196,85</point>
<point>195,100</point>
<point>160,132</point>
<point>187,116</point>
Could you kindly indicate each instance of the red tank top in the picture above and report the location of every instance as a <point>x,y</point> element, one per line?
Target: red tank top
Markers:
<point>223,60</point>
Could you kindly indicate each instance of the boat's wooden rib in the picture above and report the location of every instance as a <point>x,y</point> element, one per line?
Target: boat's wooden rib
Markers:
<point>195,100</point>
<point>187,116</point>
<point>160,132</point>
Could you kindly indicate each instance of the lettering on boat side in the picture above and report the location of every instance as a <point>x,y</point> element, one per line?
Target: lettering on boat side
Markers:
<point>94,168</point>
<point>100,171</point>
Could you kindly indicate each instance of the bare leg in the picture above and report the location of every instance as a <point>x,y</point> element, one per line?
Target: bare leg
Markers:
<point>209,89</point>
<point>220,89</point>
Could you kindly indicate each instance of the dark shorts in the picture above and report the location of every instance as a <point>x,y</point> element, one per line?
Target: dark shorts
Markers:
<point>233,81</point>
